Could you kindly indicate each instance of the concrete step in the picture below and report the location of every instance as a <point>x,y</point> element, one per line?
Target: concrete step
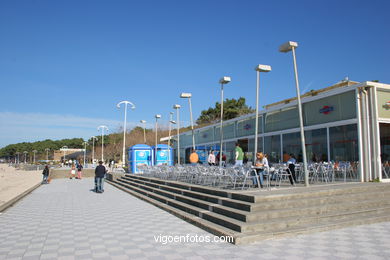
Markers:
<point>278,202</point>
<point>280,224</point>
<point>232,203</point>
<point>320,191</point>
<point>276,224</point>
<point>252,237</point>
<point>300,210</point>
<point>203,189</point>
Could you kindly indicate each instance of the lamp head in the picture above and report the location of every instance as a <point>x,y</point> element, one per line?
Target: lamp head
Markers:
<point>176,106</point>
<point>263,68</point>
<point>142,121</point>
<point>157,116</point>
<point>185,95</point>
<point>288,46</point>
<point>224,80</point>
<point>173,122</point>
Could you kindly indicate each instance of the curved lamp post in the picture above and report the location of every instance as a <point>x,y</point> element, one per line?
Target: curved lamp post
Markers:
<point>259,68</point>
<point>177,107</point>
<point>144,123</point>
<point>189,95</point>
<point>222,81</point>
<point>34,152</point>
<point>25,156</point>
<point>63,148</point>
<point>291,46</point>
<point>124,129</point>
<point>102,127</point>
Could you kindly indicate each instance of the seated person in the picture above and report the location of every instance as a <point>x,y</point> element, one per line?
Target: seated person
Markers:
<point>261,161</point>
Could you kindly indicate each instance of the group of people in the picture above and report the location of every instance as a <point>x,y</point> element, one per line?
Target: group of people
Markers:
<point>261,165</point>
<point>100,172</point>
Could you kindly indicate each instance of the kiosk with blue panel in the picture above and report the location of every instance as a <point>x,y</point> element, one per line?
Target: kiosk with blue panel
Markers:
<point>202,153</point>
<point>164,155</point>
<point>139,154</point>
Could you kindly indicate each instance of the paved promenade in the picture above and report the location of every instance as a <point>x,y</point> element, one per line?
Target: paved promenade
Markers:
<point>66,220</point>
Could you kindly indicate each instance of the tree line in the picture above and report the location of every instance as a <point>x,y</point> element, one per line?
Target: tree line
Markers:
<point>113,142</point>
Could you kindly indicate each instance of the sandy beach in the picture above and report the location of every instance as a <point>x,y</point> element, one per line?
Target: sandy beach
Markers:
<point>14,182</point>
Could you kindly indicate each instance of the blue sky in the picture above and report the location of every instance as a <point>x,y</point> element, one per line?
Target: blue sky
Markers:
<point>64,65</point>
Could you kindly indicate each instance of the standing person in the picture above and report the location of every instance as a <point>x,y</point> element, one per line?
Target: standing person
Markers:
<point>239,155</point>
<point>291,167</point>
<point>211,158</point>
<point>72,172</point>
<point>45,173</point>
<point>100,172</point>
<point>194,158</point>
<point>79,171</point>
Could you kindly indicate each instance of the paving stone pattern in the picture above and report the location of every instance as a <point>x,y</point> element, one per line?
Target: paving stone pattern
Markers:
<point>66,220</point>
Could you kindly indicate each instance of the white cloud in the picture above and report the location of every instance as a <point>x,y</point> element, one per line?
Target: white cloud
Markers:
<point>29,127</point>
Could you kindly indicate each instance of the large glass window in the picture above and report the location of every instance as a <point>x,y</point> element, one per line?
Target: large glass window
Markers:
<point>316,145</point>
<point>283,119</point>
<point>385,149</point>
<point>344,143</point>
<point>251,147</point>
<point>228,131</point>
<point>204,136</point>
<point>246,127</point>
<point>272,148</point>
<point>330,109</point>
<point>292,145</point>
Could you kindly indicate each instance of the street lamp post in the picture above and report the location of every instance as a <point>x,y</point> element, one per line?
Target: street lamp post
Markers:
<point>169,134</point>
<point>177,107</point>
<point>155,148</point>
<point>64,149</point>
<point>222,81</point>
<point>124,129</point>
<point>93,148</point>
<point>47,154</point>
<point>291,46</point>
<point>259,68</point>
<point>144,123</point>
<point>18,160</point>
<point>102,127</point>
<point>34,152</point>
<point>85,151</point>
<point>189,95</point>
<point>25,156</point>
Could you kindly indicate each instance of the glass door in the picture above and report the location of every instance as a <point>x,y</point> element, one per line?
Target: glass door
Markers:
<point>385,149</point>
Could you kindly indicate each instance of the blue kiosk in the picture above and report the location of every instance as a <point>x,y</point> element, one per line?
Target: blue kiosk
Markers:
<point>164,155</point>
<point>139,154</point>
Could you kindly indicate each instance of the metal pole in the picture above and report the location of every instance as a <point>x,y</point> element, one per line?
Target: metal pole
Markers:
<point>192,125</point>
<point>257,114</point>
<point>93,150</point>
<point>178,136</point>
<point>220,130</point>
<point>301,121</point>
<point>144,134</point>
<point>103,144</point>
<point>124,138</point>
<point>85,149</point>
<point>155,148</point>
<point>169,135</point>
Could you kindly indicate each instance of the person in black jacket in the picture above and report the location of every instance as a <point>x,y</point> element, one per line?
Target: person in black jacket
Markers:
<point>100,172</point>
<point>45,174</point>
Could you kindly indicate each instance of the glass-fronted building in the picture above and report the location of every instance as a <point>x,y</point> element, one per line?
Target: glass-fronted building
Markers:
<point>347,122</point>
